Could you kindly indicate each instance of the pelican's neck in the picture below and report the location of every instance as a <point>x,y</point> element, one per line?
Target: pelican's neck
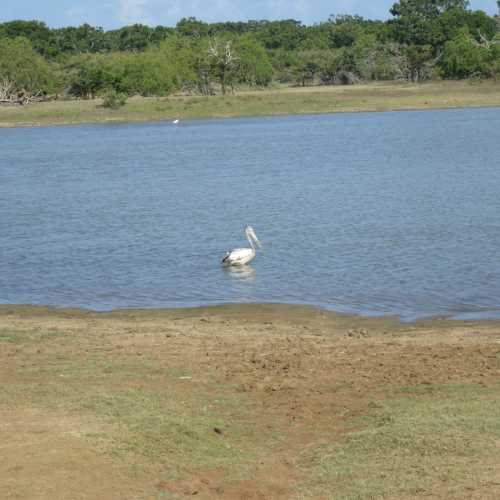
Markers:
<point>251,242</point>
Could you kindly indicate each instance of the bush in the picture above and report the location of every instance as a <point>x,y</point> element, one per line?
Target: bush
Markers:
<point>463,57</point>
<point>114,100</point>
<point>26,71</point>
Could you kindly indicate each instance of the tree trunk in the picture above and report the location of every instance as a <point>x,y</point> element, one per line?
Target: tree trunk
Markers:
<point>223,82</point>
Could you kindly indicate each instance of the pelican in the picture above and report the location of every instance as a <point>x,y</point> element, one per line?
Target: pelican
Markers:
<point>242,256</point>
<point>176,121</point>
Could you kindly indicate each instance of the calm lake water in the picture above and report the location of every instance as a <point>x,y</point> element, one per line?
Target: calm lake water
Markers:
<point>388,213</point>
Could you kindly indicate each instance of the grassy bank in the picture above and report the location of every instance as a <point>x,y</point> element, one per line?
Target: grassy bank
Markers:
<point>372,97</point>
<point>246,402</point>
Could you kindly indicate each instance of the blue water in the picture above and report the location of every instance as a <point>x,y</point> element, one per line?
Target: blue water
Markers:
<point>386,213</point>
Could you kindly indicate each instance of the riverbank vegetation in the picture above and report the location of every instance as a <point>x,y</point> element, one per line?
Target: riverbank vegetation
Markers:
<point>423,40</point>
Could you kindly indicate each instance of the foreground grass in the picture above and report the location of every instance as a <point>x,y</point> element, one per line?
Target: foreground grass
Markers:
<point>28,337</point>
<point>194,406</point>
<point>441,441</point>
<point>154,412</point>
<point>370,97</point>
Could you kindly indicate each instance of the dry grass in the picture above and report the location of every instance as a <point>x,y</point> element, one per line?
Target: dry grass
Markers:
<point>279,101</point>
<point>246,402</point>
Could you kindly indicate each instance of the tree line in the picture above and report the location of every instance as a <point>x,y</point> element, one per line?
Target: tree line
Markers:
<point>423,39</point>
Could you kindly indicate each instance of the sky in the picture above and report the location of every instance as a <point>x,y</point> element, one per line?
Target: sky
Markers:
<point>112,14</point>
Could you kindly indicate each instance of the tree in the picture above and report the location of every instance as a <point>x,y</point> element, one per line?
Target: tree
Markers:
<point>80,40</point>
<point>419,62</point>
<point>481,26</point>
<point>286,34</point>
<point>498,19</point>
<point>464,57</point>
<point>136,38</point>
<point>223,61</point>
<point>191,27</point>
<point>86,76</point>
<point>41,37</point>
<point>186,61</point>
<point>146,73</point>
<point>308,66</point>
<point>283,63</point>
<point>417,21</point>
<point>344,31</point>
<point>428,9</point>
<point>315,37</point>
<point>254,67</point>
<point>24,73</point>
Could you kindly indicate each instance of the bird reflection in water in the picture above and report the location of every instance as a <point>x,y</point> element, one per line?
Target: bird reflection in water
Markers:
<point>241,273</point>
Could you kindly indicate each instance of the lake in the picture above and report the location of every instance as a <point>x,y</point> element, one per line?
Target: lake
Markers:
<point>368,213</point>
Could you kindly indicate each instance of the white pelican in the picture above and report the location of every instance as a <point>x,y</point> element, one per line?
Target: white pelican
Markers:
<point>176,121</point>
<point>242,256</point>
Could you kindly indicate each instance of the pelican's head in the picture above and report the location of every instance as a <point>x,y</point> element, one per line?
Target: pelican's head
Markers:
<point>250,234</point>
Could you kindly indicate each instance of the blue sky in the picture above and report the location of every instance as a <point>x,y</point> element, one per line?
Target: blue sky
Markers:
<point>115,13</point>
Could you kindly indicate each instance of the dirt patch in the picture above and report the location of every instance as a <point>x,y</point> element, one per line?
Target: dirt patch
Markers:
<point>53,455</point>
<point>231,402</point>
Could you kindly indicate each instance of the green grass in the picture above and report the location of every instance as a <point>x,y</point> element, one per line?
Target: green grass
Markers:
<point>28,337</point>
<point>441,440</point>
<point>147,410</point>
<point>283,101</point>
<point>158,426</point>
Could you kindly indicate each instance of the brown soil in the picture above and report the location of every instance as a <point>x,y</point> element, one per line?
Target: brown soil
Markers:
<point>305,373</point>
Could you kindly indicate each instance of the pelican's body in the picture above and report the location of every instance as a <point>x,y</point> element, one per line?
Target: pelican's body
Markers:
<point>242,256</point>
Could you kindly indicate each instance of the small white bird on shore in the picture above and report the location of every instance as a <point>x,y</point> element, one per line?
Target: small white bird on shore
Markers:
<point>242,256</point>
<point>176,121</point>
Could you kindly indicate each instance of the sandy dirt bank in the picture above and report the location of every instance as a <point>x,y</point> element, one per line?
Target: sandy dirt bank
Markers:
<point>256,401</point>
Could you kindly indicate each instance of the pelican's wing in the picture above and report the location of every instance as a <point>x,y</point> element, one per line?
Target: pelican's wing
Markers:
<point>239,254</point>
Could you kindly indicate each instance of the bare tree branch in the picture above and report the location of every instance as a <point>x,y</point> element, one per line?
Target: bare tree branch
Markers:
<point>9,95</point>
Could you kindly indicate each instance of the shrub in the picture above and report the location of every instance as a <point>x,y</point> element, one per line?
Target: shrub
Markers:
<point>463,57</point>
<point>114,100</point>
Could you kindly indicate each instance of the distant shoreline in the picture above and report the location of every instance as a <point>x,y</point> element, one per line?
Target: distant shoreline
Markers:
<point>378,97</point>
<point>208,118</point>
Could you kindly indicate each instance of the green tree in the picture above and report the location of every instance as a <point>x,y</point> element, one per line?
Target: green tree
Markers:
<point>149,73</point>
<point>331,65</point>
<point>417,22</point>
<point>464,57</point>
<point>187,61</point>
<point>191,27</point>
<point>283,63</point>
<point>345,30</point>
<point>86,76</point>
<point>308,66</point>
<point>315,37</point>
<point>23,71</point>
<point>286,35</point>
<point>137,37</point>
<point>41,37</point>
<point>254,67</point>
<point>419,62</point>
<point>80,40</point>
